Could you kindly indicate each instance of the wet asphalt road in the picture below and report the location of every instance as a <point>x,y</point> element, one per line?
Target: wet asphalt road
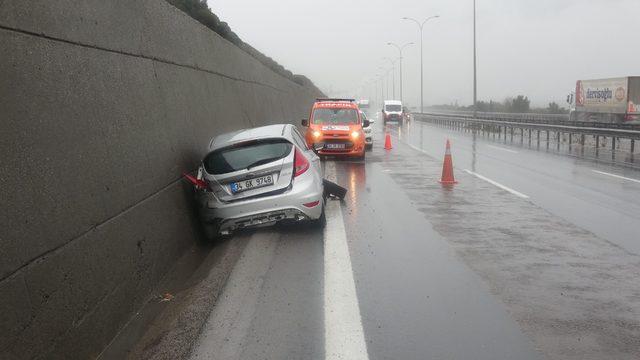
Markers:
<point>472,272</point>
<point>417,301</point>
<point>571,187</point>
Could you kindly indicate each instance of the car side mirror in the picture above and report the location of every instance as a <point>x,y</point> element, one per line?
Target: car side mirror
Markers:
<point>305,122</point>
<point>366,123</point>
<point>371,121</point>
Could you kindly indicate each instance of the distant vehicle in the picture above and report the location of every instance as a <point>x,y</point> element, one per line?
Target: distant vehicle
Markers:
<point>392,111</point>
<point>364,104</point>
<point>406,114</point>
<point>615,100</point>
<point>335,127</point>
<point>258,177</point>
<point>368,137</point>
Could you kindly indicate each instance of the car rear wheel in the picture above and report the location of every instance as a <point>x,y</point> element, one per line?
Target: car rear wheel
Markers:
<point>211,231</point>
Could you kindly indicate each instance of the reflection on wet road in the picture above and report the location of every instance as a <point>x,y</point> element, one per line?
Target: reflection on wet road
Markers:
<point>474,271</point>
<point>572,188</point>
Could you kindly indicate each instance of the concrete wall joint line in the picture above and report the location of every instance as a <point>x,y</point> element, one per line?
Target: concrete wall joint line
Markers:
<point>106,221</point>
<point>153,58</point>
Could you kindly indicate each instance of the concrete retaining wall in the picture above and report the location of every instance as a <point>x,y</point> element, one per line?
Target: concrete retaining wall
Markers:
<point>103,103</point>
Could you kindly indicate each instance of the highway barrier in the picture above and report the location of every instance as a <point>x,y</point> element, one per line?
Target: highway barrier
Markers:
<point>104,103</point>
<point>504,127</point>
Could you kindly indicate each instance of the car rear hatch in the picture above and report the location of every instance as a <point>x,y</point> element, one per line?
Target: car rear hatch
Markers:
<point>250,169</point>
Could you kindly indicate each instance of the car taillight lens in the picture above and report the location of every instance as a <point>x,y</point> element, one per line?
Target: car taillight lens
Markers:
<point>300,163</point>
<point>312,204</point>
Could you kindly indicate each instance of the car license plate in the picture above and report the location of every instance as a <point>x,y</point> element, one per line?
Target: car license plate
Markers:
<point>335,146</point>
<point>250,184</point>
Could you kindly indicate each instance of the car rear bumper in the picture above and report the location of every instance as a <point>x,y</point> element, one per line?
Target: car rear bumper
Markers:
<point>353,148</point>
<point>268,210</point>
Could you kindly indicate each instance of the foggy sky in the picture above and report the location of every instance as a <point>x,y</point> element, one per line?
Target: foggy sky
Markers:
<point>537,48</point>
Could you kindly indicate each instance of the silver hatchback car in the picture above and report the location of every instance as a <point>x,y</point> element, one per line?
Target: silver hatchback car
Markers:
<point>259,177</point>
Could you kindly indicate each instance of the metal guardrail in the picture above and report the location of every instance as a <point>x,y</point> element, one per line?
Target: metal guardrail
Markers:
<point>498,126</point>
<point>533,118</point>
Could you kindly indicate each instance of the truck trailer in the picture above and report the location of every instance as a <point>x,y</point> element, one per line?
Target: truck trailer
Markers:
<point>614,100</point>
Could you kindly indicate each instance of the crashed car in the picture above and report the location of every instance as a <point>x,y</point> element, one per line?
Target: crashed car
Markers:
<point>258,177</point>
<point>335,128</point>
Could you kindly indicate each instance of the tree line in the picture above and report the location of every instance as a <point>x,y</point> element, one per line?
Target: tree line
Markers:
<point>200,11</point>
<point>518,104</point>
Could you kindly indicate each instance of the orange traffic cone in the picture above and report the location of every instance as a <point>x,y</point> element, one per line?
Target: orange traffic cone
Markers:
<point>387,142</point>
<point>447,167</point>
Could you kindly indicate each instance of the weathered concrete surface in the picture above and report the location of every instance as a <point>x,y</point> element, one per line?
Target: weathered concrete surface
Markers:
<point>104,104</point>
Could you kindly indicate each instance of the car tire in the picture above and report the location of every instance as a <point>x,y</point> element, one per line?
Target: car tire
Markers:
<point>211,231</point>
<point>368,146</point>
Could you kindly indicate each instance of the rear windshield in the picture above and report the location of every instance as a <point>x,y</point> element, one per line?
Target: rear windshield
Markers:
<point>246,155</point>
<point>335,116</point>
<point>393,108</point>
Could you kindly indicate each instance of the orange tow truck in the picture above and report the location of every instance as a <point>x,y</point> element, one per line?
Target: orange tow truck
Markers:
<point>334,128</point>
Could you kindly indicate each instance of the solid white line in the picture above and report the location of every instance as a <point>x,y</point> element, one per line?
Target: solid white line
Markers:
<point>514,192</point>
<point>616,176</point>
<point>503,149</point>
<point>224,335</point>
<point>416,148</point>
<point>343,333</point>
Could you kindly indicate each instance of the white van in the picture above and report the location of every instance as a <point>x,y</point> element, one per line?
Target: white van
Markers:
<point>392,111</point>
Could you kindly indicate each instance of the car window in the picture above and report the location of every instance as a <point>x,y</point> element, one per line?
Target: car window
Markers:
<point>363,115</point>
<point>335,116</point>
<point>297,138</point>
<point>393,108</point>
<point>245,155</point>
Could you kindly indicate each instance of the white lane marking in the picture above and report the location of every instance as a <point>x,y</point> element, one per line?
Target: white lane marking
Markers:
<point>416,148</point>
<point>343,333</point>
<point>616,176</point>
<point>223,336</point>
<point>503,149</point>
<point>514,192</point>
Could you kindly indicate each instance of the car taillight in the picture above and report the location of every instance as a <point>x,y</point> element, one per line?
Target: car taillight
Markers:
<point>312,204</point>
<point>300,163</point>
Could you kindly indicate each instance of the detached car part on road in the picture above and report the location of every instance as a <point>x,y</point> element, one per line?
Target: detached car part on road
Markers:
<point>258,177</point>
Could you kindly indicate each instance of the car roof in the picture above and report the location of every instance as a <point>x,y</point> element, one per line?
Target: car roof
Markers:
<point>393,102</point>
<point>262,132</point>
<point>335,105</point>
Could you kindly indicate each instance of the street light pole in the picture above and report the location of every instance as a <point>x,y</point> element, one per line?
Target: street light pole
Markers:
<point>384,84</point>
<point>393,75</point>
<point>421,26</point>
<point>475,65</point>
<point>400,48</point>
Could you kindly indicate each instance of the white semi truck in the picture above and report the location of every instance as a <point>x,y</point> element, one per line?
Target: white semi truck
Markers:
<point>614,100</point>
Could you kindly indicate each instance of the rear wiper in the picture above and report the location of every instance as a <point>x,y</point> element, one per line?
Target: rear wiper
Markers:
<point>263,161</point>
